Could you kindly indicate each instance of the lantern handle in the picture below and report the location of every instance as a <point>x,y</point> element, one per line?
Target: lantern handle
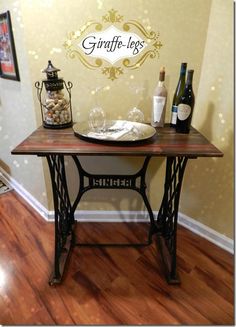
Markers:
<point>68,86</point>
<point>39,88</point>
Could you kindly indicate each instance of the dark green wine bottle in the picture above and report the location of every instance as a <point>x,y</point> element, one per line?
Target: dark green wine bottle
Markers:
<point>185,106</point>
<point>178,93</point>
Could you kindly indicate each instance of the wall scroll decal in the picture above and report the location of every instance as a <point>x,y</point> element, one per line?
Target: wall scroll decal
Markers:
<point>98,44</point>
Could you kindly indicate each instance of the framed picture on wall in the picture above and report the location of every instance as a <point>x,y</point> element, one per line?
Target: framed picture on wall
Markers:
<point>8,60</point>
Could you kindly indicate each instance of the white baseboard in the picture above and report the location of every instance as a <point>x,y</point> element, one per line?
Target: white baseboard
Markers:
<point>206,232</point>
<point>121,216</point>
<point>107,216</point>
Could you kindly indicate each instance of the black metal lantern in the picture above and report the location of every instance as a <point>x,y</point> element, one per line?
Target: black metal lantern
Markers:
<point>55,105</point>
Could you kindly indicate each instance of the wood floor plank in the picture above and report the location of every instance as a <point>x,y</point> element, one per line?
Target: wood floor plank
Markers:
<point>205,301</point>
<point>108,285</point>
<point>215,283</point>
<point>204,252</point>
<point>41,317</point>
<point>18,296</point>
<point>55,306</point>
<point>179,306</point>
<point>134,306</point>
<point>82,299</point>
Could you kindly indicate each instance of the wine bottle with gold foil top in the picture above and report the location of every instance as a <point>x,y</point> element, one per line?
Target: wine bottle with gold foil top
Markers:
<point>159,101</point>
<point>178,93</point>
<point>185,106</point>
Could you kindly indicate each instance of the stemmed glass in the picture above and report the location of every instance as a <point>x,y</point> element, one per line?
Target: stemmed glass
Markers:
<point>135,114</point>
<point>97,116</point>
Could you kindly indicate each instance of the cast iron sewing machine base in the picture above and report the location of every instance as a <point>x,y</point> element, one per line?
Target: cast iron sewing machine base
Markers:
<point>164,225</point>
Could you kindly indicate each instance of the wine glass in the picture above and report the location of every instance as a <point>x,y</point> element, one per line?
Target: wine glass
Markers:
<point>97,119</point>
<point>97,116</point>
<point>135,114</point>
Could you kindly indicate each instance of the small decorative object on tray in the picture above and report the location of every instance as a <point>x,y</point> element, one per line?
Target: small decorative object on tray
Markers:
<point>116,131</point>
<point>55,104</point>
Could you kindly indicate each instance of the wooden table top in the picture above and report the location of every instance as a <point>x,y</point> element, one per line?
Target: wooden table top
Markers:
<point>166,142</point>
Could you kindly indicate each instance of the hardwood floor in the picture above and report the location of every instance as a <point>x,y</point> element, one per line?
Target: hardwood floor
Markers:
<point>107,285</point>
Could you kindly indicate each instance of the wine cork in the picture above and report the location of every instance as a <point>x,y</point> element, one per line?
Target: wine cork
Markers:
<point>162,74</point>
<point>57,108</point>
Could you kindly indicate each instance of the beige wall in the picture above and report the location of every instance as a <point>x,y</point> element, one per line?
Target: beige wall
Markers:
<point>41,29</point>
<point>214,117</point>
<point>17,116</point>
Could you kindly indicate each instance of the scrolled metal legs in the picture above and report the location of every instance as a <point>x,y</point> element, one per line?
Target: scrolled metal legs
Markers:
<point>64,218</point>
<point>168,215</point>
<point>165,226</point>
